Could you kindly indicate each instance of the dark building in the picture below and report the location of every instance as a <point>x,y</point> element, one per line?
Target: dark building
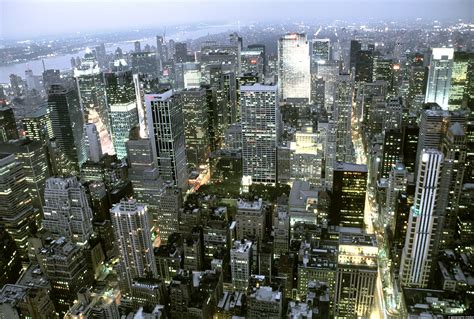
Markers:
<point>66,122</point>
<point>10,261</point>
<point>145,62</point>
<point>349,188</point>
<point>409,146</point>
<point>391,152</point>
<point>181,52</point>
<point>8,129</point>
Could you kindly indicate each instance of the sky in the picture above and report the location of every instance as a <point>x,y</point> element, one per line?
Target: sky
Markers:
<point>29,18</point>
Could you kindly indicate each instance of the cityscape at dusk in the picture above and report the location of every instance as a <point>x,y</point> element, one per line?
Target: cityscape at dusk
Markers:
<point>232,159</point>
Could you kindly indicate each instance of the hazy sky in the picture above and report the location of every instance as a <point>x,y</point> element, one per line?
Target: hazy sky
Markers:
<point>27,18</point>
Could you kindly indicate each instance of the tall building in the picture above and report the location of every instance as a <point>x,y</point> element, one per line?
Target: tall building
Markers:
<point>123,117</point>
<point>66,210</point>
<point>64,265</point>
<point>250,218</point>
<point>166,132</point>
<point>37,125</point>
<point>461,80</point>
<point>349,190</point>
<point>265,302</point>
<point>356,274</point>
<point>91,89</point>
<point>342,115</point>
<point>132,229</point>
<point>34,159</point>
<point>168,212</point>
<point>10,263</point>
<point>16,211</point>
<point>123,114</point>
<point>391,152</point>
<point>454,149</point>
<point>320,51</point>
<point>66,121</point>
<point>92,141</point>
<point>196,128</point>
<point>19,301</point>
<point>260,116</point>
<point>143,173</point>
<point>8,129</point>
<point>294,80</point>
<point>439,76</point>
<point>145,62</point>
<point>241,255</point>
<point>419,251</point>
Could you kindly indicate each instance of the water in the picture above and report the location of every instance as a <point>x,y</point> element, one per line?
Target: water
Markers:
<point>63,62</point>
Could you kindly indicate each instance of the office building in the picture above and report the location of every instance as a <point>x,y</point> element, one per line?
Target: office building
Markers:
<point>356,274</point>
<point>92,98</point>
<point>102,304</point>
<point>66,121</point>
<point>349,190</point>
<point>10,263</point>
<point>34,159</point>
<point>265,302</point>
<point>250,218</point>
<point>439,77</point>
<point>92,142</point>
<point>16,210</point>
<point>8,129</point>
<point>294,79</point>
<point>166,133</point>
<point>195,130</point>
<point>241,255</point>
<point>66,210</point>
<point>64,264</point>
<point>37,125</point>
<point>132,230</point>
<point>342,115</point>
<point>21,301</point>
<point>461,80</point>
<point>260,122</point>
<point>419,251</point>
<point>320,51</point>
<point>145,63</point>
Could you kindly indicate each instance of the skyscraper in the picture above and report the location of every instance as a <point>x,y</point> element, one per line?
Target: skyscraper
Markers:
<point>34,159</point>
<point>241,264</point>
<point>132,229</point>
<point>166,132</point>
<point>439,76</point>
<point>342,115</point>
<point>120,92</point>
<point>67,124</point>
<point>356,274</point>
<point>260,116</point>
<point>349,187</point>
<point>16,211</point>
<point>320,51</point>
<point>294,80</point>
<point>66,210</point>
<point>418,253</point>
<point>8,129</point>
<point>90,85</point>
<point>169,209</point>
<point>92,143</point>
<point>461,79</point>
<point>195,130</point>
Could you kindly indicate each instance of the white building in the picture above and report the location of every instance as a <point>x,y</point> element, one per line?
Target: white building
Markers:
<point>260,117</point>
<point>66,210</point>
<point>439,76</point>
<point>166,131</point>
<point>132,230</point>
<point>92,139</point>
<point>241,264</point>
<point>417,255</point>
<point>123,117</point>
<point>294,79</point>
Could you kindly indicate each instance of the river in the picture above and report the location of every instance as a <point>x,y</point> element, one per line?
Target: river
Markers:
<point>63,62</point>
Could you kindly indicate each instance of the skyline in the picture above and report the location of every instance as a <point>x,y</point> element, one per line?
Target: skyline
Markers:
<point>70,16</point>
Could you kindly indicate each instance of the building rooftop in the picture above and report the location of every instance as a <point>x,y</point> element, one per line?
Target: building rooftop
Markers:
<point>266,293</point>
<point>249,205</point>
<point>241,246</point>
<point>352,167</point>
<point>258,87</point>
